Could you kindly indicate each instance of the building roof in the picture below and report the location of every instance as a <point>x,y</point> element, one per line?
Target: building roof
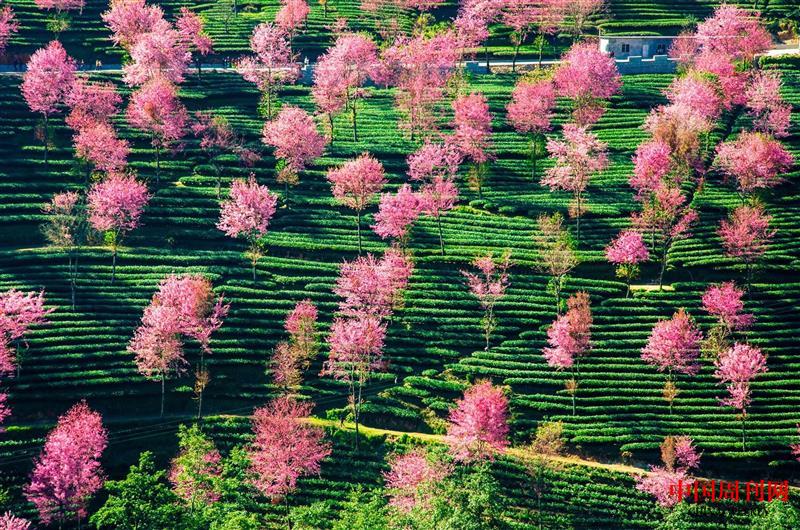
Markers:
<point>639,36</point>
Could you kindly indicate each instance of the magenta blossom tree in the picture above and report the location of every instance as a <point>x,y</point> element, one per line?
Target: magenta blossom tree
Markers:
<point>129,19</point>
<point>670,483</point>
<point>587,76</point>
<point>724,301</point>
<point>100,147</point>
<point>754,160</point>
<point>577,158</point>
<point>746,235</point>
<point>569,340</point>
<point>626,252</point>
<point>285,448</point>
<point>472,131</point>
<point>18,312</point>
<point>8,26</point>
<point>193,36</point>
<point>68,472</point>
<point>295,355</point>
<point>409,476</point>
<point>737,367</point>
<point>397,212</point>
<point>297,142</point>
<point>652,163</point>
<point>8,521</point>
<point>247,214</point>
<point>156,110</point>
<point>46,84</point>
<point>436,166</point>
<point>115,206</point>
<point>674,346</point>
<point>356,183</point>
<point>770,113</point>
<point>272,64</point>
<point>157,55</point>
<point>183,305</point>
<point>489,286</point>
<point>531,111</point>
<point>356,352</point>
<point>91,102</point>
<point>370,287</point>
<point>478,425</point>
<point>216,138</point>
<point>291,16</point>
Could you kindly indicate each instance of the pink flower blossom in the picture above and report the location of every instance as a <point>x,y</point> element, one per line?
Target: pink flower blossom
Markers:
<point>91,102</point>
<point>248,211</point>
<point>662,483</point>
<point>292,14</point>
<point>737,367</point>
<point>587,76</point>
<point>770,113</point>
<point>746,233</point>
<point>651,164</point>
<point>67,472</point>
<point>694,93</point>
<point>686,453</point>
<point>294,135</point>
<point>8,26</point>
<point>116,203</point>
<point>754,160</point>
<point>191,32</point>
<point>99,145</point>
<point>531,107</point>
<point>472,127</point>
<point>569,336</point>
<point>408,474</point>
<point>628,248</point>
<point>48,79</point>
<point>155,109</point>
<point>356,348</point>
<point>18,312</point>
<point>674,345</point>
<point>724,301</point>
<point>285,447</point>
<point>478,425</point>
<point>60,5</point>
<point>129,19</point>
<point>397,212</point>
<point>8,521</point>
<point>159,55</point>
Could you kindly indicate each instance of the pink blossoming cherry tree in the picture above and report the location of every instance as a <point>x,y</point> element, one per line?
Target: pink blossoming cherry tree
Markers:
<point>478,425</point>
<point>489,286</point>
<point>737,367</point>
<point>627,251</point>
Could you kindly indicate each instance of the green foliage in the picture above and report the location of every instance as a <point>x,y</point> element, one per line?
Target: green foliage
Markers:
<point>777,515</point>
<point>364,509</point>
<point>142,501</point>
<point>316,516</point>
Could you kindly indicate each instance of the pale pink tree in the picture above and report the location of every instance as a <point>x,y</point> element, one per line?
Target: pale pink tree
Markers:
<point>161,55</point>
<point>696,93</point>
<point>216,138</point>
<point>489,287</point>
<point>737,367</point>
<point>373,288</point>
<point>478,425</point>
<point>397,212</point>
<point>652,163</point>
<point>626,252</point>
<point>343,71</point>
<point>531,111</point>
<point>18,312</point>
<point>587,76</point>
<point>295,355</point>
<point>356,183</point>
<point>291,16</point>
<point>754,160</point>
<point>577,158</point>
<point>297,142</point>
<point>472,131</point>
<point>409,477</point>
<point>8,521</point>
<point>356,352</point>
<point>670,483</point>
<point>674,346</point>
<point>115,205</point>
<point>285,448</point>
<point>735,32</point>
<point>667,218</point>
<point>436,166</point>
<point>576,13</point>
<point>680,129</point>
<point>155,109</point>
<point>100,147</point>
<point>46,84</point>
<point>8,26</point>
<point>770,113</point>
<point>569,340</point>
<point>68,472</point>
<point>247,214</point>
<point>129,19</point>
<point>190,27</point>
<point>272,64</point>
<point>526,16</point>
<point>746,235</point>
<point>420,68</point>
<point>183,305</point>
